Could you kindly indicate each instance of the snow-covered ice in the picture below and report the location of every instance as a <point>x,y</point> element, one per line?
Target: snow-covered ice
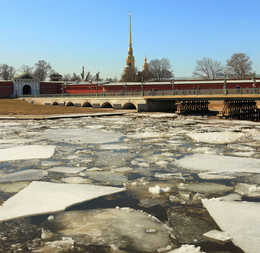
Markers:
<point>44,197</point>
<point>217,163</point>
<point>241,220</point>
<point>216,137</point>
<point>26,152</point>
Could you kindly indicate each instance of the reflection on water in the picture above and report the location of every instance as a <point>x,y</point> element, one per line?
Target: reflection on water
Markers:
<point>136,151</point>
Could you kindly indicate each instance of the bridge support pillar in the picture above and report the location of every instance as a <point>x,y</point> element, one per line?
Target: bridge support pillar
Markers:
<point>192,106</point>
<point>157,106</point>
<point>96,105</point>
<point>240,109</point>
<point>117,106</point>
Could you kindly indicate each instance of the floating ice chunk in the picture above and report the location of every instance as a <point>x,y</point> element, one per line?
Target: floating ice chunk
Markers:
<point>205,187</point>
<point>81,135</point>
<point>123,227</point>
<point>248,190</point>
<point>157,189</point>
<point>24,175</point>
<point>13,187</point>
<point>240,220</point>
<point>76,180</point>
<point>205,175</point>
<point>203,150</point>
<point>64,245</point>
<point>107,177</point>
<point>44,197</point>
<point>218,236</point>
<point>164,175</point>
<point>147,134</point>
<point>217,163</point>
<point>72,170</point>
<point>113,147</point>
<point>26,152</point>
<point>216,137</point>
<point>240,147</point>
<point>187,249</point>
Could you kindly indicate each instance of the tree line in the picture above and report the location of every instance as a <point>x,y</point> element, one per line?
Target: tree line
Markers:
<point>239,66</point>
<point>41,70</point>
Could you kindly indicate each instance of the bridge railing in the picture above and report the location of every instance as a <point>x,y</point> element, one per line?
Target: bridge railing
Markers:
<point>139,93</point>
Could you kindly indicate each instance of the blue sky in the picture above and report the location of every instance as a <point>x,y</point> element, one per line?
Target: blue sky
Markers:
<point>94,33</point>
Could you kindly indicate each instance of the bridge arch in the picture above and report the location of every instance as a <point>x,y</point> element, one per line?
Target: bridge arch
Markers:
<point>86,104</point>
<point>69,104</point>
<point>55,103</point>
<point>106,105</point>
<point>128,106</point>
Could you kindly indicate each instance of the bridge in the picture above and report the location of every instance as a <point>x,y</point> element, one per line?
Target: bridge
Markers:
<point>238,103</point>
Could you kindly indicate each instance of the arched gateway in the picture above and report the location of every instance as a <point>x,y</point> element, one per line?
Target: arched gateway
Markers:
<point>26,84</point>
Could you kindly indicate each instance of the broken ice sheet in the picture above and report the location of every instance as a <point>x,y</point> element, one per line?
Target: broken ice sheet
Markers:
<point>24,175</point>
<point>81,135</point>
<point>216,137</point>
<point>44,197</point>
<point>240,220</point>
<point>248,190</point>
<point>13,187</point>
<point>72,170</point>
<point>218,164</point>
<point>26,152</point>
<point>209,188</point>
<point>123,227</point>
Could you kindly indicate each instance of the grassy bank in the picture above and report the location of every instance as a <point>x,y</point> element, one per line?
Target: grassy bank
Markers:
<point>10,107</point>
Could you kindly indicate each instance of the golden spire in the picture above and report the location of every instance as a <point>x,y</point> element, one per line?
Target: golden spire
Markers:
<point>130,37</point>
<point>130,60</point>
<point>145,66</point>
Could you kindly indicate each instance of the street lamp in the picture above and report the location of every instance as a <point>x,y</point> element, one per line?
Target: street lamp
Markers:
<point>142,86</point>
<point>172,86</point>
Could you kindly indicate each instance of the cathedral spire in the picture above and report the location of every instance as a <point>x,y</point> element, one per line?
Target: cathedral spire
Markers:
<point>130,60</point>
<point>130,35</point>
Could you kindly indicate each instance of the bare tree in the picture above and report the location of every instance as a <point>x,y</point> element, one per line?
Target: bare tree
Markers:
<point>66,77</point>
<point>88,77</point>
<point>26,69</point>
<point>75,77</point>
<point>240,65</point>
<point>42,69</point>
<point>207,68</point>
<point>7,72</point>
<point>129,75</point>
<point>160,69</point>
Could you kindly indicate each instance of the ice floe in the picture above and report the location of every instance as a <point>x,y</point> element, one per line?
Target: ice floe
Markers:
<point>248,190</point>
<point>205,187</point>
<point>240,220</point>
<point>157,189</point>
<point>81,135</point>
<point>217,163</point>
<point>24,175</point>
<point>187,249</point>
<point>72,170</point>
<point>218,236</point>
<point>44,197</point>
<point>216,137</point>
<point>26,152</point>
<point>123,227</point>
